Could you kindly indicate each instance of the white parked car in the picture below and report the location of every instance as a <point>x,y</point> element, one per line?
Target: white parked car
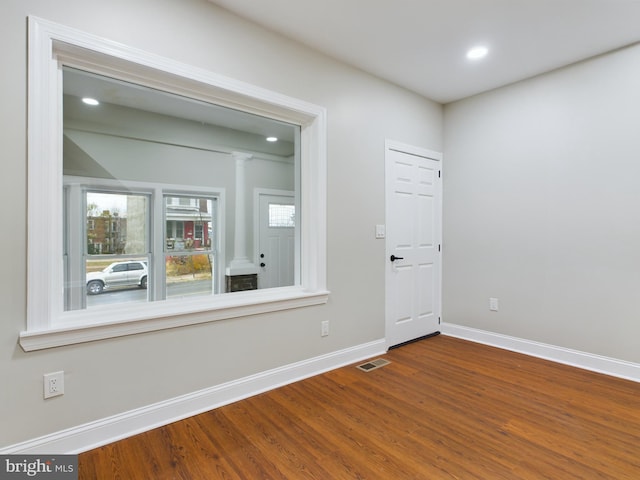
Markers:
<point>118,274</point>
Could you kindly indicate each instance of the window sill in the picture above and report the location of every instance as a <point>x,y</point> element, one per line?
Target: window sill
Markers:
<point>73,328</point>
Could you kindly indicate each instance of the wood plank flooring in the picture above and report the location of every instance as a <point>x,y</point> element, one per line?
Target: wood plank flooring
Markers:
<point>443,409</point>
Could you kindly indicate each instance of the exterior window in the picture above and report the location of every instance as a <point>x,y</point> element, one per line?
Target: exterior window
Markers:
<point>190,261</point>
<point>97,259</point>
<point>139,204</point>
<point>175,230</point>
<point>199,233</point>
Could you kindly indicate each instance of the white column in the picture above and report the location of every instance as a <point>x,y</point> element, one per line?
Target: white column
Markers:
<point>240,265</point>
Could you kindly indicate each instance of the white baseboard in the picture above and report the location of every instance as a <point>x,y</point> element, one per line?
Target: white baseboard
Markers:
<point>575,358</point>
<point>101,432</point>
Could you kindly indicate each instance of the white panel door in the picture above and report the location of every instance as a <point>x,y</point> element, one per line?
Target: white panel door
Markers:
<point>413,218</point>
<point>276,240</point>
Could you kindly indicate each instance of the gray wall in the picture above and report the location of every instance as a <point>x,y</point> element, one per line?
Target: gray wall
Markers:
<point>112,376</point>
<point>542,208</point>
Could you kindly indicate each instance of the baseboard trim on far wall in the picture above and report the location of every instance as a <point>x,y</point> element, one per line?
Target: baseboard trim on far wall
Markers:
<point>575,358</point>
<point>101,432</point>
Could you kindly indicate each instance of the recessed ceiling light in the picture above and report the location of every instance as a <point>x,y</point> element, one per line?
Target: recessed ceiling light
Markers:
<point>91,101</point>
<point>477,52</point>
<point>272,139</point>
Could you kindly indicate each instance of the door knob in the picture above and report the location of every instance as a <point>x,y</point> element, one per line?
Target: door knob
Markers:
<point>393,258</point>
<point>263,264</point>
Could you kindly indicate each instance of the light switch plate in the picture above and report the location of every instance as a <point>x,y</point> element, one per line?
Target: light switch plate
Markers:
<point>380,231</point>
<point>493,304</point>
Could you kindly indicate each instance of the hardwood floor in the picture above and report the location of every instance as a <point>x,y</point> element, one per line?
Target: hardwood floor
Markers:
<point>443,409</point>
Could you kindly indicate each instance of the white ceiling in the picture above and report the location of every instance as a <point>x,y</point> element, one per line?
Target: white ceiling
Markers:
<point>79,83</point>
<point>421,44</point>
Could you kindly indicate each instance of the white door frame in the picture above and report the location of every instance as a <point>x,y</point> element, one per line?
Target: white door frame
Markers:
<point>391,145</point>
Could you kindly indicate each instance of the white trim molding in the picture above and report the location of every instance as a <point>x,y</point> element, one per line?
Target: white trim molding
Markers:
<point>574,358</point>
<point>107,430</point>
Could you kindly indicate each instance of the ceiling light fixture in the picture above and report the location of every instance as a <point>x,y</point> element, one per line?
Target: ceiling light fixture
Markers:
<point>477,53</point>
<point>272,139</point>
<point>91,101</point>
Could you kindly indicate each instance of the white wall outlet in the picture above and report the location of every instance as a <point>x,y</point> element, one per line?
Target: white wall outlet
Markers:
<point>324,328</point>
<point>493,304</point>
<point>53,384</point>
<point>380,231</point>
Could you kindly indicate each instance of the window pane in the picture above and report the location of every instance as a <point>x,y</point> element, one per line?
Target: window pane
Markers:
<point>189,275</point>
<point>188,272</point>
<point>116,280</point>
<point>114,266</point>
<point>117,224</point>
<point>282,215</point>
<point>193,220</point>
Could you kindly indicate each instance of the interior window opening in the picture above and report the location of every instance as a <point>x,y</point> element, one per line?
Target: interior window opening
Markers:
<point>160,137</point>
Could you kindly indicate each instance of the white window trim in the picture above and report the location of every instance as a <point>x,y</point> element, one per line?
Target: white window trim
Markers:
<point>50,45</point>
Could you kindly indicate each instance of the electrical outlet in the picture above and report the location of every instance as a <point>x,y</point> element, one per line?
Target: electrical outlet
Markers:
<point>493,304</point>
<point>324,328</point>
<point>53,384</point>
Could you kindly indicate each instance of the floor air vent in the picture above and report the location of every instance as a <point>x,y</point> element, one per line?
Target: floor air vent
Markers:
<point>373,364</point>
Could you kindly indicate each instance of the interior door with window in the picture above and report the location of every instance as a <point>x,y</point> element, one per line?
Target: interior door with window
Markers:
<point>276,239</point>
<point>413,218</point>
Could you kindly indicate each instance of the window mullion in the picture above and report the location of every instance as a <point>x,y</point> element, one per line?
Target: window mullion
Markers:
<point>158,285</point>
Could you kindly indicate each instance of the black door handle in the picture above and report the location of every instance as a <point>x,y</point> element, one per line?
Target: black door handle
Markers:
<point>262,264</point>
<point>393,258</point>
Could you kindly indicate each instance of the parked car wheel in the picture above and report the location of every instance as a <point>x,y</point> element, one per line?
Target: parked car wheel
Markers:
<point>143,282</point>
<point>95,287</point>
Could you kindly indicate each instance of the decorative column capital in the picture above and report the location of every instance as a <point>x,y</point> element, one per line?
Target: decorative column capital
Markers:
<point>241,156</point>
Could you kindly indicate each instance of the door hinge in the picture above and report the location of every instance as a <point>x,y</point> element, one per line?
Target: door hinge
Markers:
<point>439,247</point>
<point>438,320</point>
<point>439,173</point>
